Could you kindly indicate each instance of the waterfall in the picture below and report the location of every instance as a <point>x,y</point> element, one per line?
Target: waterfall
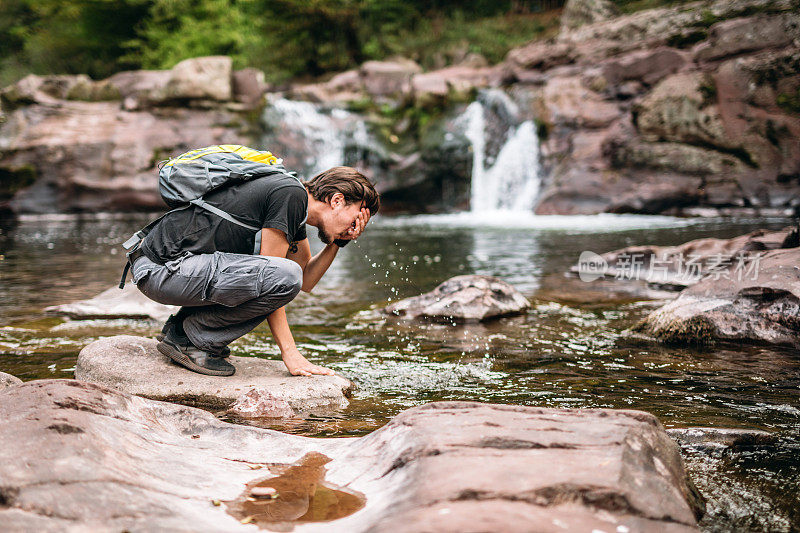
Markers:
<point>309,138</point>
<point>510,180</point>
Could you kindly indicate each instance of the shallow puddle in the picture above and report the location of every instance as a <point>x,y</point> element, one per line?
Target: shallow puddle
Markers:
<point>298,494</point>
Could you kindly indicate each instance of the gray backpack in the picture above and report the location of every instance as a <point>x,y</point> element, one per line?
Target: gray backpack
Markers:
<point>184,180</point>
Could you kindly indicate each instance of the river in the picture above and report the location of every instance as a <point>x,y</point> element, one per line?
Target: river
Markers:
<point>568,351</point>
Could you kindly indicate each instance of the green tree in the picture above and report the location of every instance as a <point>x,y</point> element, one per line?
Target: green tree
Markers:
<point>179,29</point>
<point>67,37</point>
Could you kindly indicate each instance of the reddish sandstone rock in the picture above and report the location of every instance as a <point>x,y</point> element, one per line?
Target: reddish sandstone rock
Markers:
<point>134,365</point>
<point>249,86</point>
<point>749,34</point>
<point>198,78</point>
<point>680,266</point>
<point>94,156</point>
<point>759,303</point>
<point>7,380</point>
<point>80,456</point>
<point>566,101</point>
<point>388,78</point>
<point>260,403</point>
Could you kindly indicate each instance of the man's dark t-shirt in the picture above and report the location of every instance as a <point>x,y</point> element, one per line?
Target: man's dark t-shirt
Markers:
<point>278,201</point>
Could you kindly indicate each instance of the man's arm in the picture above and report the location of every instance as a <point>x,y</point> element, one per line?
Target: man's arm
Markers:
<point>273,244</point>
<point>313,267</point>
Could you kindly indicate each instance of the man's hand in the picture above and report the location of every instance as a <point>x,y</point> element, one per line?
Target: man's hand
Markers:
<point>358,226</point>
<point>300,366</point>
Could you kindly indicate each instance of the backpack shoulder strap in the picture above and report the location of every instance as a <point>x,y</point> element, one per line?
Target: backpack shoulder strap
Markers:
<point>199,202</point>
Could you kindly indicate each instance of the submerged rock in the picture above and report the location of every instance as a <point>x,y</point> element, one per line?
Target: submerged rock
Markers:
<point>6,380</point>
<point>77,455</point>
<point>463,298</point>
<point>760,302</point>
<point>720,437</point>
<point>115,303</point>
<point>134,365</point>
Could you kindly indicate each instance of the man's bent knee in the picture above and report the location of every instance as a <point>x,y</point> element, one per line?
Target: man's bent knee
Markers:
<point>288,275</point>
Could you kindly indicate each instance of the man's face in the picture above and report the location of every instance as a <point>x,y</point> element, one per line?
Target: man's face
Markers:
<point>338,219</point>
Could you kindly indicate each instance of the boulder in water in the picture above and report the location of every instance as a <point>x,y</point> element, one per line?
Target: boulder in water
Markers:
<point>720,437</point>
<point>469,298</point>
<point>677,267</point>
<point>134,365</point>
<point>260,403</point>
<point>115,303</point>
<point>7,380</point>
<point>84,457</point>
<point>759,302</point>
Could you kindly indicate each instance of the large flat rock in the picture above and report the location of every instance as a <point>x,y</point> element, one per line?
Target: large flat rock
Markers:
<point>678,267</point>
<point>760,302</point>
<point>6,380</point>
<point>115,303</point>
<point>134,365</point>
<point>84,457</point>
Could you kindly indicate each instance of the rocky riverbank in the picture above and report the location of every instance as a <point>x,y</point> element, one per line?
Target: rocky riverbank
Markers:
<point>742,289</point>
<point>684,110</point>
<point>83,456</point>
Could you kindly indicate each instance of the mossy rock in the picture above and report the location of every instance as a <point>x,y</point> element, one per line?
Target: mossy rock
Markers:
<point>93,91</point>
<point>696,330</point>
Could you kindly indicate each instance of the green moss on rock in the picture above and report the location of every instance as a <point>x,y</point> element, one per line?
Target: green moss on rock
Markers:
<point>789,102</point>
<point>696,330</point>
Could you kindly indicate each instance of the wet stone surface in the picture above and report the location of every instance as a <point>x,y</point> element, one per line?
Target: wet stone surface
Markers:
<point>88,457</point>
<point>134,365</point>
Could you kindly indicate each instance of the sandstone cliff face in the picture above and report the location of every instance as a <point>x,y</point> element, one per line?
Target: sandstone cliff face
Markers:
<point>687,110</point>
<point>62,150</point>
<point>670,108</point>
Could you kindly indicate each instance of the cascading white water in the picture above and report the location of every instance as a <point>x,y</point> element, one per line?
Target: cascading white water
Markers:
<point>318,137</point>
<point>511,182</point>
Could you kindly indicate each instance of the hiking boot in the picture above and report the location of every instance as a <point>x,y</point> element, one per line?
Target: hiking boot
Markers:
<point>178,336</point>
<point>193,358</point>
<point>168,326</point>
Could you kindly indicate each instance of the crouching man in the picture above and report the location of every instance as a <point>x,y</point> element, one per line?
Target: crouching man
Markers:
<point>202,262</point>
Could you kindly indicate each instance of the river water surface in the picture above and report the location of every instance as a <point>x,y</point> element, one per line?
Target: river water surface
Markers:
<point>568,351</point>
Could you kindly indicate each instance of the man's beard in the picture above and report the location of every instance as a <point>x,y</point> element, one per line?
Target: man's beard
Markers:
<point>323,236</point>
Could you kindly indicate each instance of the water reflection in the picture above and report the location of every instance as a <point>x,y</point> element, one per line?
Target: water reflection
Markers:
<point>297,495</point>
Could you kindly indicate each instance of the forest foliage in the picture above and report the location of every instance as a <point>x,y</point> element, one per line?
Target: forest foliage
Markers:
<point>285,38</point>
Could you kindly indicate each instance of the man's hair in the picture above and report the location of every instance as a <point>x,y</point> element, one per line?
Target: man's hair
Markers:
<point>355,187</point>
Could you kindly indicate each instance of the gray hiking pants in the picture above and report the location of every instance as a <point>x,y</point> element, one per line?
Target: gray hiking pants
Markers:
<point>223,295</point>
